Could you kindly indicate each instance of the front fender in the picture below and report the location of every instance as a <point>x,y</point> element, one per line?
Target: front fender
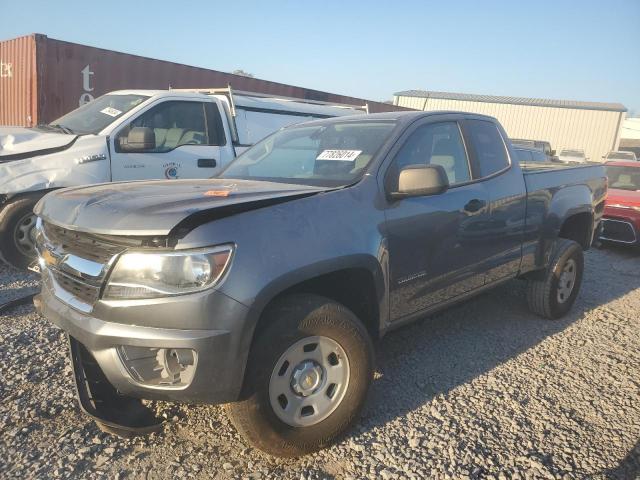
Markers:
<point>86,163</point>
<point>314,270</point>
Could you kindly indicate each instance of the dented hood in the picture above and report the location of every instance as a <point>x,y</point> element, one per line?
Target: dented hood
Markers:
<point>156,207</point>
<point>18,142</point>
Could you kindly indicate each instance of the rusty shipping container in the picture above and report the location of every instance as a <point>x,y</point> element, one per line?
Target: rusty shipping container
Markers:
<point>18,82</point>
<point>42,78</point>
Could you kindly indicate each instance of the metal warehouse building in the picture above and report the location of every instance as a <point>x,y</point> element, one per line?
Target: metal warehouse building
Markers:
<point>591,126</point>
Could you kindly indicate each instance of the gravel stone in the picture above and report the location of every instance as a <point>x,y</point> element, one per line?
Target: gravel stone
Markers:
<point>483,390</point>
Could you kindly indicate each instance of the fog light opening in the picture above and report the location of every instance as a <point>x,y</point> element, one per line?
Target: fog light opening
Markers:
<point>174,362</point>
<point>159,367</point>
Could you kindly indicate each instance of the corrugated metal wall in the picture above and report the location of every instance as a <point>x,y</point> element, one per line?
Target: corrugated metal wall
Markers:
<point>595,131</point>
<point>18,82</point>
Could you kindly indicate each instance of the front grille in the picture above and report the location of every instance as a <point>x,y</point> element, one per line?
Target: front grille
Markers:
<point>618,231</point>
<point>76,263</point>
<point>90,247</point>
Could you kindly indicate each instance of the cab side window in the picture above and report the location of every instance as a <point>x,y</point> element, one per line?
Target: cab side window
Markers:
<point>491,153</point>
<point>436,144</point>
<point>177,123</point>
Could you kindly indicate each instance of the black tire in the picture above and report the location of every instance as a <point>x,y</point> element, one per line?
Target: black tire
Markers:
<point>543,294</point>
<point>288,321</point>
<point>12,216</point>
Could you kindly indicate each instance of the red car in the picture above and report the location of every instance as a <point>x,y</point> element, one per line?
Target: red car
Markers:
<point>621,222</point>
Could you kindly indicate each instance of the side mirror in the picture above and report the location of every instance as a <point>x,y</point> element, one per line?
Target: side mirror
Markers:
<point>139,139</point>
<point>552,153</point>
<point>421,180</point>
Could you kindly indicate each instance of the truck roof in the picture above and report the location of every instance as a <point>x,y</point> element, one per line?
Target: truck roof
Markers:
<point>152,93</point>
<point>408,117</point>
<point>258,102</point>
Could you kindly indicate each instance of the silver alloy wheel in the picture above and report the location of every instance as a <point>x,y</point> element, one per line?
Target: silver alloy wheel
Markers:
<point>309,381</point>
<point>24,235</point>
<point>567,280</point>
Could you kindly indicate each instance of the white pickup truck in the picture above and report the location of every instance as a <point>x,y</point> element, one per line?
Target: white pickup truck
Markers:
<point>134,135</point>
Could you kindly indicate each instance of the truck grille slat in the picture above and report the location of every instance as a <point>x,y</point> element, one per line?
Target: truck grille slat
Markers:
<point>81,244</point>
<point>86,293</point>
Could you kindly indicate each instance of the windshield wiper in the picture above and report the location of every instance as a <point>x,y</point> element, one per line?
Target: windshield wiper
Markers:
<point>58,126</point>
<point>55,126</point>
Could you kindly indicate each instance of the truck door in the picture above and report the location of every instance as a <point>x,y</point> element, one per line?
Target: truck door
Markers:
<point>183,139</point>
<point>434,248</point>
<point>492,164</point>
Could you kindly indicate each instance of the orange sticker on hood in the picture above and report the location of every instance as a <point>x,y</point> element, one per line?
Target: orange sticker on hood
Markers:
<point>217,193</point>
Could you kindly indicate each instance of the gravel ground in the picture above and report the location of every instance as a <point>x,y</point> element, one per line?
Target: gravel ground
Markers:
<point>485,390</point>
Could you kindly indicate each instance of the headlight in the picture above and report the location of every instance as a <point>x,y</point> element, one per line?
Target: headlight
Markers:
<point>159,274</point>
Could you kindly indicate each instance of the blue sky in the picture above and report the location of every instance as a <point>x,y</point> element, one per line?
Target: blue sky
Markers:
<point>581,50</point>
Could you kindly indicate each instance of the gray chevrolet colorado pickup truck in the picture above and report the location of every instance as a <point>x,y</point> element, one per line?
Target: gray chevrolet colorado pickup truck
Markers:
<point>265,288</point>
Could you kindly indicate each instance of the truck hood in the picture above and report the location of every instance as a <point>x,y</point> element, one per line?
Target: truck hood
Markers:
<point>155,208</point>
<point>18,142</point>
<point>623,197</point>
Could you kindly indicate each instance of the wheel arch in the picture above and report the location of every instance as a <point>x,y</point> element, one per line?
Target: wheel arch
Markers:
<point>578,227</point>
<point>571,215</point>
<point>358,282</point>
<point>6,199</point>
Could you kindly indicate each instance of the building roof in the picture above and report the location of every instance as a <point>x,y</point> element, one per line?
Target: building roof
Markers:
<point>534,102</point>
<point>630,129</point>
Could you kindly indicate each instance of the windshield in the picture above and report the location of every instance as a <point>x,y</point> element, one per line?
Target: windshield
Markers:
<point>624,178</point>
<point>327,154</point>
<point>94,116</point>
<point>621,156</point>
<point>572,153</point>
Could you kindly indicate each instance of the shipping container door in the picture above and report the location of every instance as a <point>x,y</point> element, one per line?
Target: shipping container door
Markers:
<point>189,142</point>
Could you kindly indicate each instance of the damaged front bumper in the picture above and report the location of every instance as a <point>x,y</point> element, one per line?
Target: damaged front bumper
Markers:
<point>120,414</point>
<point>116,364</point>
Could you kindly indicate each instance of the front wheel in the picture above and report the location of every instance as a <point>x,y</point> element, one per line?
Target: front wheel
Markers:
<point>553,296</point>
<point>307,378</point>
<point>17,232</point>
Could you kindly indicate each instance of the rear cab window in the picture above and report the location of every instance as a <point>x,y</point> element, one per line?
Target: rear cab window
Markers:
<point>488,148</point>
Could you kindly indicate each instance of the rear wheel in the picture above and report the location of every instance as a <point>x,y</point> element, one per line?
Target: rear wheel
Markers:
<point>307,377</point>
<point>17,232</point>
<point>553,296</point>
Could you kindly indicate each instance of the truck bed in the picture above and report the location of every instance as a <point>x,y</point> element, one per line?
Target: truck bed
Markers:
<point>552,176</point>
<point>545,167</point>
<point>551,188</point>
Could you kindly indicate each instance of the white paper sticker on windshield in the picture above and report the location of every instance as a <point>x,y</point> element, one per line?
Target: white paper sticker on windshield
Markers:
<point>343,155</point>
<point>112,112</point>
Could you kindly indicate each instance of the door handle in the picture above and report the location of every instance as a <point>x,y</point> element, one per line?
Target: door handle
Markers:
<point>207,163</point>
<point>474,205</point>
